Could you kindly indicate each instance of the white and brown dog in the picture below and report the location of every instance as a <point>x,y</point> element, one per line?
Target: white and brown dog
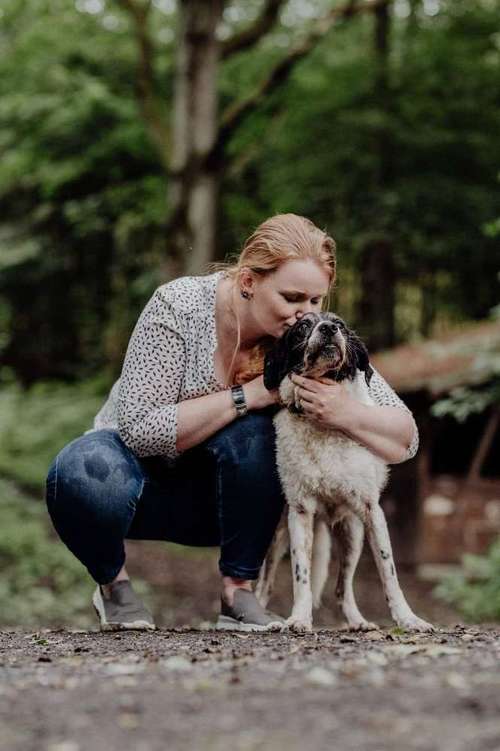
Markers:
<point>331,483</point>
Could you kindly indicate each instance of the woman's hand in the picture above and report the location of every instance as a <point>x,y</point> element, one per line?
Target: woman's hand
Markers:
<point>385,431</point>
<point>257,396</point>
<point>323,401</point>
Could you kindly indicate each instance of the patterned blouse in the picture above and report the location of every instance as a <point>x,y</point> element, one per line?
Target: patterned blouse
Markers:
<point>170,358</point>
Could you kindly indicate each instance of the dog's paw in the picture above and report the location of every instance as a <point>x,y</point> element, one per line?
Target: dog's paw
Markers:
<point>298,625</point>
<point>414,623</point>
<point>362,626</point>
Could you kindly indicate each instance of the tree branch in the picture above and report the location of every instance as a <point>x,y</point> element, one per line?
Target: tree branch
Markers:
<point>251,35</point>
<point>145,92</point>
<point>235,114</point>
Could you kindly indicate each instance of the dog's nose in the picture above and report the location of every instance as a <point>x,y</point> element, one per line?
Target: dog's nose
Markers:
<point>330,325</point>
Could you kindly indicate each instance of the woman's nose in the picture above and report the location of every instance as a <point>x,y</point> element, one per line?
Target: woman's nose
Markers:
<point>304,308</point>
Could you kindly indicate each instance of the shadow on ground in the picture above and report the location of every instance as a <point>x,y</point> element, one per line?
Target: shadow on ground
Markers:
<point>185,588</point>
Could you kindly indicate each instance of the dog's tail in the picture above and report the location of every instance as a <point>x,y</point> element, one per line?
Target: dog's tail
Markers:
<point>320,560</point>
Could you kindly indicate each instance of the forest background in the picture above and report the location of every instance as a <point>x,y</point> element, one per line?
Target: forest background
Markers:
<point>140,140</point>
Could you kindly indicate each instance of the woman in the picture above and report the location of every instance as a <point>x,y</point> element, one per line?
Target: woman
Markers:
<point>182,451</point>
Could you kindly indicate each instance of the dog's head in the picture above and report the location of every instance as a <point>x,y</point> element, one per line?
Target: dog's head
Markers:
<point>319,344</point>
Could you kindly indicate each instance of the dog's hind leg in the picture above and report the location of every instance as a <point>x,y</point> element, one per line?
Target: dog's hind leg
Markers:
<point>277,550</point>
<point>350,533</point>
<point>321,555</point>
<point>378,536</point>
<point>300,526</point>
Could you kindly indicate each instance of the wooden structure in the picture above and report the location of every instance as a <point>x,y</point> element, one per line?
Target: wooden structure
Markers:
<point>446,501</point>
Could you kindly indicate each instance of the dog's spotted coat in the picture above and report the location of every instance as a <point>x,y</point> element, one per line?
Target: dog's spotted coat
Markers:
<point>332,484</point>
<point>170,358</point>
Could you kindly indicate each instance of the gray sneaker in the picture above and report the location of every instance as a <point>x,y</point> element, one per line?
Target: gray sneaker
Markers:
<point>122,609</point>
<point>247,614</point>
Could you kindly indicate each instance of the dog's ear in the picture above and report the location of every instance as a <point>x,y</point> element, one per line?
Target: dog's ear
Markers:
<point>362,358</point>
<point>281,360</point>
<point>273,368</point>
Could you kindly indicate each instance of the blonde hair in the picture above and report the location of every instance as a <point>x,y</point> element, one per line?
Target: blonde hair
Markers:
<point>281,238</point>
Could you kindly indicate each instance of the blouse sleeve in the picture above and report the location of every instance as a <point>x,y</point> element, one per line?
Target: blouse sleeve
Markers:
<point>384,396</point>
<point>151,380</point>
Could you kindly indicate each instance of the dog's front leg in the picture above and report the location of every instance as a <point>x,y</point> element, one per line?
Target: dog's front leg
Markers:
<point>300,527</point>
<point>378,536</point>
<point>350,533</point>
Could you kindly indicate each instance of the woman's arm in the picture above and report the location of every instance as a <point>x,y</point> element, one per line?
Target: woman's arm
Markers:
<point>151,380</point>
<point>151,419</point>
<point>386,428</point>
<point>385,431</point>
<point>198,419</point>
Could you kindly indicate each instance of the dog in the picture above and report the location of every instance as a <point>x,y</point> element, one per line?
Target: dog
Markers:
<point>331,483</point>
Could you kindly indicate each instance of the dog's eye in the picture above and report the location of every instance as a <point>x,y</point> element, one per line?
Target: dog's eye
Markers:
<point>303,325</point>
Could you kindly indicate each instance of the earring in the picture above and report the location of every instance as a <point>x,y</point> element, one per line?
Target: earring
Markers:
<point>246,294</point>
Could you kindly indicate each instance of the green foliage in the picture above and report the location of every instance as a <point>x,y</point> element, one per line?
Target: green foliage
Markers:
<point>42,582</point>
<point>463,401</point>
<point>80,185</point>
<point>475,590</point>
<point>36,423</point>
<point>315,149</point>
<point>83,192</point>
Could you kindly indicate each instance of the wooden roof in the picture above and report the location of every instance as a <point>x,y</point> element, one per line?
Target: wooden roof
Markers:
<point>465,356</point>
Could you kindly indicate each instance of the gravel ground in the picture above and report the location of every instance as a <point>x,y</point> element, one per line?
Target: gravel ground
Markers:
<point>187,689</point>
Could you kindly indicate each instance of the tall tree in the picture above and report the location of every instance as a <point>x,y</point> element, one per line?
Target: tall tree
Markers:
<point>378,272</point>
<point>198,137</point>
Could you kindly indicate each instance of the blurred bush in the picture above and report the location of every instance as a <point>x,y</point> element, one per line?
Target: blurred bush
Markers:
<point>42,582</point>
<point>475,589</point>
<point>37,422</point>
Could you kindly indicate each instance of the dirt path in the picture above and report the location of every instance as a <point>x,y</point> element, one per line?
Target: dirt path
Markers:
<point>187,689</point>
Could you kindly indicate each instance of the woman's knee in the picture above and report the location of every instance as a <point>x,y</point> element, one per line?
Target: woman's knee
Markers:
<point>96,475</point>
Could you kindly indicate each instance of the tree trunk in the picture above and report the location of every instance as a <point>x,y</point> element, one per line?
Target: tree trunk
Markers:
<point>378,281</point>
<point>194,181</point>
<point>378,272</point>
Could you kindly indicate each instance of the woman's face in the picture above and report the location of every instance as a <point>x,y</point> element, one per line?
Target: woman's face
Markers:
<point>281,297</point>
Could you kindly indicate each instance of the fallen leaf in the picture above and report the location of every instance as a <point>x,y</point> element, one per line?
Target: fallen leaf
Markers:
<point>377,658</point>
<point>437,650</point>
<point>373,635</point>
<point>321,677</point>
<point>125,681</point>
<point>123,669</point>
<point>63,746</point>
<point>402,650</point>
<point>456,680</point>
<point>128,721</point>
<point>177,664</point>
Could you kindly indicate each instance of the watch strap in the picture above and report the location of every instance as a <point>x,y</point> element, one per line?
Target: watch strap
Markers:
<point>239,400</point>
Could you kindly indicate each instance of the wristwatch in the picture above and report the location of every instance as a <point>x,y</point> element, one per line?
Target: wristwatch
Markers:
<point>239,400</point>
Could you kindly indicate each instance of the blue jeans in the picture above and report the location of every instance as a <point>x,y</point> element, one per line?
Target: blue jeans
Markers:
<point>225,491</point>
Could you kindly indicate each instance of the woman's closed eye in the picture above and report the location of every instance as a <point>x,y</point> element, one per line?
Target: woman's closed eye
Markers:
<point>292,300</point>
